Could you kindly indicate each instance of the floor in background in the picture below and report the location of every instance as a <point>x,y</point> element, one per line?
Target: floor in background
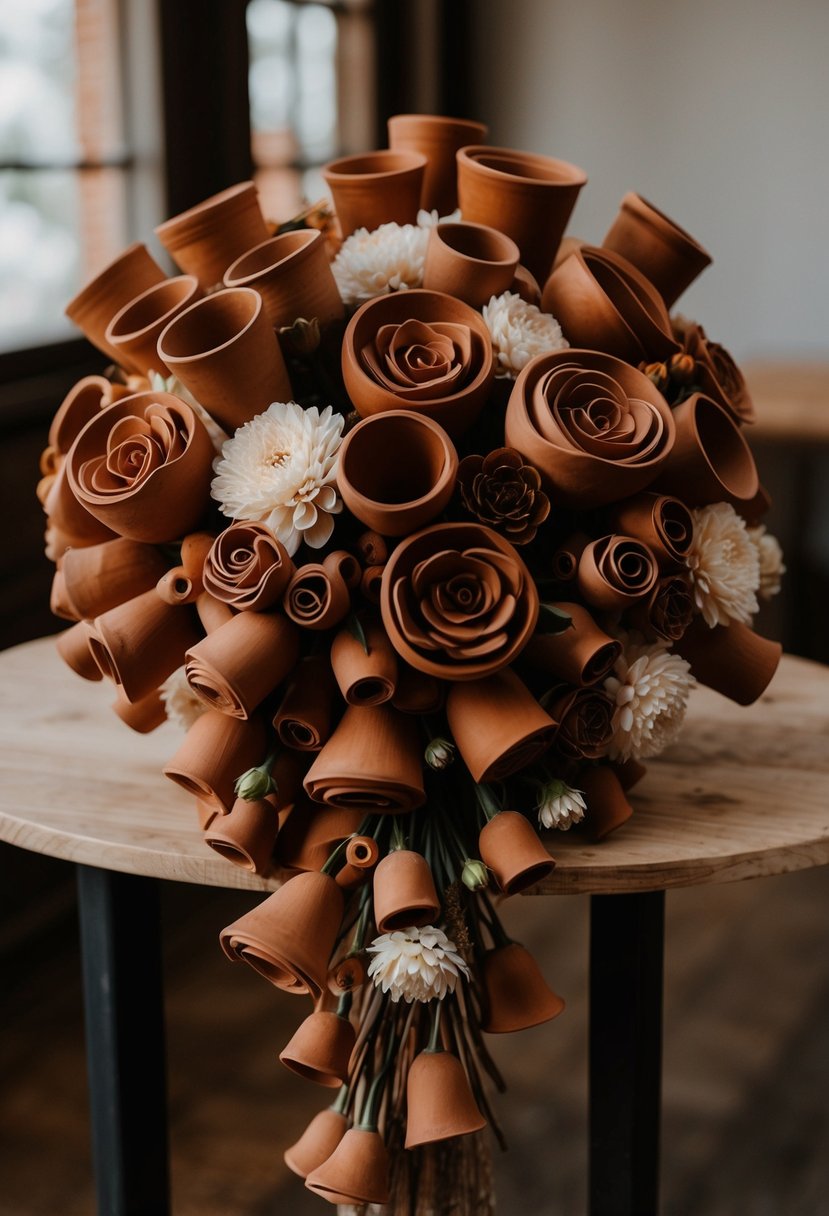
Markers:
<point>746,1081</point>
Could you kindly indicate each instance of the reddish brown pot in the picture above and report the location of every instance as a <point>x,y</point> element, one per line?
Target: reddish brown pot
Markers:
<point>141,716</point>
<point>317,1142</point>
<point>103,576</point>
<point>212,612</point>
<point>293,276</point>
<point>73,647</point>
<point>134,330</point>
<point>731,659</point>
<point>92,309</point>
<point>439,1101</point>
<point>309,834</point>
<point>469,261</point>
<point>304,718</point>
<point>375,188</point>
<point>498,725</point>
<point>607,805</point>
<point>357,1171</point>
<point>372,761</point>
<point>247,835</point>
<point>365,678</point>
<point>510,846</point>
<point>216,750</point>
<point>664,524</point>
<point>516,995</point>
<point>664,252</point>
<point>404,892</point>
<point>140,643</point>
<point>321,1049</point>
<point>416,692</point>
<point>582,654</point>
<point>81,403</point>
<point>616,571</point>
<point>710,460</point>
<point>204,240</point>
<point>234,668</point>
<point>438,139</point>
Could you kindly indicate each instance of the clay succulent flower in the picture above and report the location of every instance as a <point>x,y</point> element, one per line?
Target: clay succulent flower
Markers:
<point>502,491</point>
<point>416,964</point>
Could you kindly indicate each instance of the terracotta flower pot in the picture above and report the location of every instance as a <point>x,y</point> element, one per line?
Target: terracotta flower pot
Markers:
<point>422,351</point>
<point>497,724</point>
<point>140,643</point>
<point>372,761</point>
<point>710,460</point>
<point>511,847</point>
<point>664,524</point>
<point>596,429</point>
<point>357,1171</point>
<point>516,995</point>
<point>396,472</point>
<point>404,892</point>
<point>416,692</point>
<point>305,715</point>
<point>134,330</point>
<point>205,239</point>
<point>365,678</point>
<point>616,571</point>
<point>142,716</point>
<point>321,1049</point>
<point>438,139</point>
<point>293,276</point>
<point>92,309</point>
<point>247,835</point>
<point>143,467</point>
<point>317,1142</point>
<point>528,197</point>
<point>585,723</point>
<point>81,403</point>
<point>216,750</point>
<point>225,352</point>
<point>439,1101</point>
<point>247,567</point>
<point>731,659</point>
<point>289,937</point>
<point>582,654</point>
<point>311,833</point>
<point>469,261</point>
<point>375,188</point>
<point>73,647</point>
<point>318,597</point>
<point>607,805</point>
<point>237,666</point>
<point>664,252</point>
<point>103,576</point>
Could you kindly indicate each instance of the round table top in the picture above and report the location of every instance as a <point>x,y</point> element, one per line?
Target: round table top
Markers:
<point>744,793</point>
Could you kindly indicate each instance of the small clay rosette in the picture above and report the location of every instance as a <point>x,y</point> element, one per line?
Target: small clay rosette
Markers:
<point>710,460</point>
<point>92,309</point>
<point>585,722</point>
<point>665,253</point>
<point>143,466</point>
<point>419,350</point>
<point>292,274</point>
<point>667,611</point>
<point>596,429</point>
<point>438,138</point>
<point>663,523</point>
<point>717,374</point>
<point>247,567</point>
<point>504,493</point>
<point>616,571</point>
<point>372,761</point>
<point>318,596</point>
<point>497,725</point>
<point>457,601</point>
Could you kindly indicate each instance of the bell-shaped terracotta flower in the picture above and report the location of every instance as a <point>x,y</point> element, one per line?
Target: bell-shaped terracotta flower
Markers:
<point>516,995</point>
<point>237,666</point>
<point>317,1142</point>
<point>248,567</point>
<point>497,725</point>
<point>582,654</point>
<point>140,643</point>
<point>710,460</point>
<point>366,673</point>
<point>504,493</point>
<point>615,571</point>
<point>372,761</point>
<point>305,716</point>
<point>510,846</point>
<point>732,659</point>
<point>404,892</point>
<point>100,577</point>
<point>309,834</point>
<point>247,835</point>
<point>439,1101</point>
<point>607,804</point>
<point>321,1048</point>
<point>585,723</point>
<point>357,1172</point>
<point>73,647</point>
<point>216,750</point>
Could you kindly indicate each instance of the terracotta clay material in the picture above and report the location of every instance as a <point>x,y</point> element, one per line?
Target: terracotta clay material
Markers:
<point>212,612</point>
<point>664,252</point>
<point>664,524</point>
<point>81,403</point>
<point>516,995</point>
<point>416,692</point>
<point>93,308</point>
<point>565,559</point>
<point>525,285</point>
<point>175,587</point>
<point>317,1142</point>
<point>69,518</point>
<point>216,750</point>
<point>607,804</point>
<point>732,659</point>
<point>247,835</point>
<point>366,675</point>
<point>375,188</point>
<point>616,571</point>
<point>438,139</point>
<point>309,834</point>
<point>710,460</point>
<point>469,261</point>
<point>372,761</point>
<point>667,612</point>
<point>404,892</point>
<point>59,602</point>
<point>224,350</point>
<point>73,647</point>
<point>585,723</point>
<point>439,1101</point>
<point>363,852</point>
<point>510,846</point>
<point>305,716</point>
<point>318,597</point>
<point>237,666</point>
<point>498,725</point>
<point>321,1048</point>
<point>292,274</point>
<point>141,716</point>
<point>205,239</point>
<point>140,643</point>
<point>247,567</point>
<point>103,576</point>
<point>134,330</point>
<point>357,1171</point>
<point>583,654</point>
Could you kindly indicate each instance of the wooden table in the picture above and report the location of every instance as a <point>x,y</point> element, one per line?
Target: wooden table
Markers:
<point>744,794</point>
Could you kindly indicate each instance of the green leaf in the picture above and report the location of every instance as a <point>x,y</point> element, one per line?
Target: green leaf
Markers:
<point>355,628</point>
<point>552,619</point>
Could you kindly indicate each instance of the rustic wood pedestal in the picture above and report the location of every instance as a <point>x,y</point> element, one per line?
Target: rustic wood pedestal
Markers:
<point>744,794</point>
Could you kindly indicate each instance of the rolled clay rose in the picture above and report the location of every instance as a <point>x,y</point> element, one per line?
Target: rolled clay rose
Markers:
<point>500,490</point>
<point>667,612</point>
<point>319,595</point>
<point>596,429</point>
<point>457,601</point>
<point>304,718</point>
<point>585,718</point>
<point>616,571</point>
<point>664,524</point>
<point>247,567</point>
<point>717,374</point>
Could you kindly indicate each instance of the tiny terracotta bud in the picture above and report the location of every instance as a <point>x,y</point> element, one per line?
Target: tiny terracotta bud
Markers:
<point>657,373</point>
<point>682,368</point>
<point>347,975</point>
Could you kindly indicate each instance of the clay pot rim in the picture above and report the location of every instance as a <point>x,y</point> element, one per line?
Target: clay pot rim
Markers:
<point>64,410</point>
<point>229,849</point>
<point>305,240</point>
<point>394,418</point>
<point>644,210</point>
<point>692,406</point>
<point>346,168</point>
<point>167,230</point>
<point>513,253</point>
<point>188,284</point>
<point>209,302</point>
<point>87,293</point>
<point>475,155</point>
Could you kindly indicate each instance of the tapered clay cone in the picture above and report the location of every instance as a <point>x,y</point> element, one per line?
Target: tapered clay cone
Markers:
<point>356,1172</point>
<point>616,571</point>
<point>416,692</point>
<point>142,716</point>
<point>366,675</point>
<point>511,847</point>
<point>304,719</point>
<point>565,560</point>
<point>289,938</point>
<point>607,804</point>
<point>317,1142</point>
<point>59,602</point>
<point>318,596</point>
<point>216,750</point>
<point>93,308</point>
<point>73,647</point>
<point>516,995</point>
<point>372,761</point>
<point>630,772</point>
<point>175,587</point>
<point>140,643</point>
<point>247,835</point>
<point>225,352</point>
<point>582,654</point>
<point>212,612</point>
<point>292,274</point>
<point>134,330</point>
<point>664,252</point>
<point>731,659</point>
<point>82,402</point>
<point>497,724</point>
<point>404,891</point>
<point>234,668</point>
<point>103,576</point>
<point>310,834</point>
<point>375,188</point>
<point>438,139</point>
<point>205,239</point>
<point>70,517</point>
<point>439,1101</point>
<point>664,524</point>
<point>710,460</point>
<point>528,197</point>
<point>321,1049</point>
<point>469,261</point>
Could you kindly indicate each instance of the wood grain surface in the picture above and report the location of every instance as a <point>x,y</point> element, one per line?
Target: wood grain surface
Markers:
<point>745,793</point>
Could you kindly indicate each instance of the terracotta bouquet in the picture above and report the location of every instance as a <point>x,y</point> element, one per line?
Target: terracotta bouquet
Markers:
<point>422,522</point>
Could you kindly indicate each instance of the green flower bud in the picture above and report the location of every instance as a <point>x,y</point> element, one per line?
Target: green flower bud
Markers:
<point>303,336</point>
<point>256,783</point>
<point>475,874</point>
<point>439,753</point>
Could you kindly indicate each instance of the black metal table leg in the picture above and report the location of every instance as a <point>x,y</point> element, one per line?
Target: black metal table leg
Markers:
<point>626,954</point>
<point>123,1001</point>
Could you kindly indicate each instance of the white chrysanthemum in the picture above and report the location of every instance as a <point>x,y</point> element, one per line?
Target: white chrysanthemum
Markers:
<point>181,703</point>
<point>416,964</point>
<point>650,686</point>
<point>519,332</point>
<point>770,557</point>
<point>724,566</point>
<point>559,806</point>
<point>390,258</point>
<point>280,469</point>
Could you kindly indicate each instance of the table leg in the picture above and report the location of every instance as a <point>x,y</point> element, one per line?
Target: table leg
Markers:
<point>124,1014</point>
<point>626,952</point>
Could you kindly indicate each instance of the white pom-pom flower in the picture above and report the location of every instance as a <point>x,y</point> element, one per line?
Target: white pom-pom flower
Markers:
<point>770,557</point>
<point>181,703</point>
<point>388,259</point>
<point>724,566</point>
<point>416,964</point>
<point>559,806</point>
<point>650,686</point>
<point>280,469</point>
<point>520,331</point>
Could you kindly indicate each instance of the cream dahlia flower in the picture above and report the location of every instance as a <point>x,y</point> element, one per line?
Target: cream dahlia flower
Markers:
<point>280,469</point>
<point>181,703</point>
<point>520,331</point>
<point>724,566</point>
<point>416,964</point>
<point>650,686</point>
<point>559,806</point>
<point>770,556</point>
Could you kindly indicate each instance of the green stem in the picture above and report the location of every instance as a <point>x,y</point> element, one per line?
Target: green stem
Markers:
<point>329,865</point>
<point>341,1102</point>
<point>371,1106</point>
<point>487,801</point>
<point>344,1005</point>
<point>435,1035</point>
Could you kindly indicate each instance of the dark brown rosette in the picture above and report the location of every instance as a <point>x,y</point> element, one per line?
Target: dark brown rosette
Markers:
<point>716,374</point>
<point>585,718</point>
<point>615,572</point>
<point>500,490</point>
<point>457,601</point>
<point>668,611</point>
<point>248,567</point>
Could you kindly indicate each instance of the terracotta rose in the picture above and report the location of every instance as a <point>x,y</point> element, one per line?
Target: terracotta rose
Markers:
<point>585,718</point>
<point>717,374</point>
<point>502,491</point>
<point>248,567</point>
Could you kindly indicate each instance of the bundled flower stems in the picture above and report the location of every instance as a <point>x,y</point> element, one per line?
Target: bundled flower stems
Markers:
<point>421,525</point>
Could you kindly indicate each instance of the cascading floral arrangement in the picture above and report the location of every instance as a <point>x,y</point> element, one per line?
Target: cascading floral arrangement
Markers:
<point>424,559</point>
